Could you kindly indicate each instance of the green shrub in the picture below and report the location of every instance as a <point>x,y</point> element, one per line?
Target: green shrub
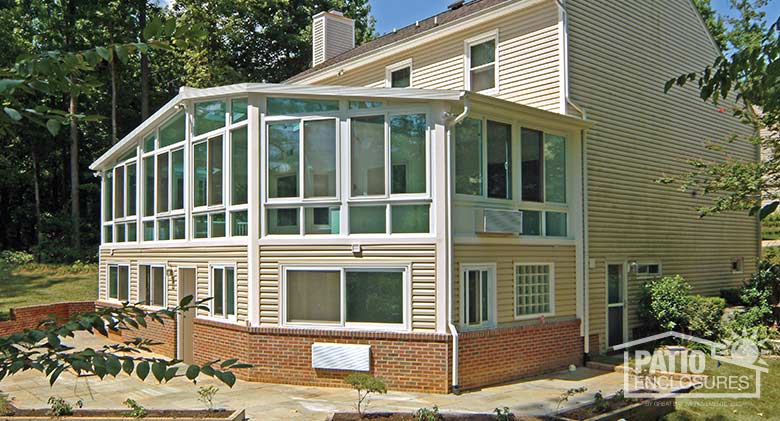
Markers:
<point>206,395</point>
<point>764,285</point>
<point>136,410</point>
<point>365,384</point>
<point>504,414</point>
<point>5,405</point>
<point>15,258</point>
<point>59,407</point>
<point>664,303</point>
<point>703,318</point>
<point>425,414</point>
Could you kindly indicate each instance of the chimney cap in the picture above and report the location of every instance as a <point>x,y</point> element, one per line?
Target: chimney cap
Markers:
<point>332,13</point>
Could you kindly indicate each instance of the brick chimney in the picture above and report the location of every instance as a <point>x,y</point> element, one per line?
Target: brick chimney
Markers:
<point>332,34</point>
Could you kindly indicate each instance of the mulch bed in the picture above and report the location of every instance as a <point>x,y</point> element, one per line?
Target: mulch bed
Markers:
<point>152,413</point>
<point>585,412</point>
<point>406,416</point>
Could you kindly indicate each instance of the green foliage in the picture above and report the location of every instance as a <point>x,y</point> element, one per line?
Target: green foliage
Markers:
<point>703,318</point>
<point>59,407</point>
<point>664,303</point>
<point>365,384</point>
<point>565,396</point>
<point>426,414</point>
<point>763,286</point>
<point>731,296</point>
<point>600,403</point>
<point>5,405</point>
<point>206,395</point>
<point>136,410</point>
<point>770,227</point>
<point>504,414</point>
<point>14,258</point>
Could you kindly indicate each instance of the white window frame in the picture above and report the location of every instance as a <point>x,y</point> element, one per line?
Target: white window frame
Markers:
<point>389,70</point>
<point>108,281</point>
<point>223,266</point>
<point>343,324</point>
<point>551,312</point>
<point>479,39</point>
<point>625,265</point>
<point>149,267</point>
<point>647,276</point>
<point>492,299</point>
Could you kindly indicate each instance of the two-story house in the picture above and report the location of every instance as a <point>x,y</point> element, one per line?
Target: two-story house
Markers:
<point>465,201</point>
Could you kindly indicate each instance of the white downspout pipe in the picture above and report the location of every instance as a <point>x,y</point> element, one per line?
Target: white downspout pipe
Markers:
<point>450,249</point>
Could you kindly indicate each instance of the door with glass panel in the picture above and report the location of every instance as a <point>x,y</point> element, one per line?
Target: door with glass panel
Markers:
<point>478,296</point>
<point>616,304</point>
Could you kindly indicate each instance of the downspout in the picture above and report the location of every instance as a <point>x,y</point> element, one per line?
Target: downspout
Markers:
<point>450,248</point>
<point>584,180</point>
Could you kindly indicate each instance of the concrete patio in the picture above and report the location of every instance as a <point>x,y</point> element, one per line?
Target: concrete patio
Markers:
<point>273,401</point>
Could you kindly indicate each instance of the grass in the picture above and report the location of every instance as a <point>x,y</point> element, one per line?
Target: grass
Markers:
<point>43,284</point>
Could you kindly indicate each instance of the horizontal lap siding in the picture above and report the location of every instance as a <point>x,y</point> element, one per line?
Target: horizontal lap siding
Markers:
<point>621,54</point>
<point>421,257</point>
<point>199,257</point>
<point>528,55</point>
<point>505,256</point>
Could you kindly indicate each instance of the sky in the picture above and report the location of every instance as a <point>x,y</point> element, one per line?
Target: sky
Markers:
<point>391,14</point>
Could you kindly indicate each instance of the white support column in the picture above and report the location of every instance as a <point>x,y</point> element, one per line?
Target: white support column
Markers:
<point>440,205</point>
<point>254,137</point>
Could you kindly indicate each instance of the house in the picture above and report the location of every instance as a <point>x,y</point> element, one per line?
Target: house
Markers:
<point>462,202</point>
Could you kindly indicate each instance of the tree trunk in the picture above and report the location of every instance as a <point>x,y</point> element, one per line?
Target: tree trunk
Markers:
<point>114,96</point>
<point>37,196</point>
<point>75,211</point>
<point>144,62</point>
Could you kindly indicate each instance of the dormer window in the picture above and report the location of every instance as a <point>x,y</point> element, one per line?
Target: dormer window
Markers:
<point>481,72</point>
<point>399,75</point>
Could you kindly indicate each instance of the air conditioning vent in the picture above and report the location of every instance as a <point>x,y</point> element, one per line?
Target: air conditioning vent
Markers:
<point>499,221</point>
<point>341,356</point>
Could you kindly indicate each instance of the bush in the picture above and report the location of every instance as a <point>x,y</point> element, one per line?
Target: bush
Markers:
<point>59,407</point>
<point>365,384</point>
<point>664,303</point>
<point>15,258</point>
<point>704,316</point>
<point>425,414</point>
<point>5,405</point>
<point>136,410</point>
<point>766,279</point>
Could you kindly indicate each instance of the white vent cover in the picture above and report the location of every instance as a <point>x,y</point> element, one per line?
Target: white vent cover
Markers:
<point>341,356</point>
<point>499,221</point>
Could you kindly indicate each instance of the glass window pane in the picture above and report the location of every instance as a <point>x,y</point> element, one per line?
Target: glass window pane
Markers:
<point>230,291</point>
<point>119,192</point>
<point>239,223</point>
<point>113,281</point>
<point>217,292</point>
<point>483,79</point>
<point>555,225</point>
<point>164,229</point>
<point>468,157</point>
<point>483,53</point>
<point>201,224</point>
<point>367,219</point>
<point>238,166</point>
<point>120,233</point>
<point>208,116</point>
<point>108,195</point>
<point>313,296</point>
<point>149,142</point>
<point>131,189</point>
<point>172,131</point>
<point>531,167</point>
<point>283,221</point>
<point>401,78</point>
<point>410,218</point>
<point>322,220</point>
<point>289,106</point>
<point>148,230</point>
<point>408,153</point>
<point>374,297</point>
<point>238,110</point>
<point>532,223</point>
<point>124,283</point>
<point>132,229</point>
<point>149,186</point>
<point>145,284</point>
<point>215,171</point>
<point>179,232</point>
<point>283,159</point>
<point>162,183</point>
<point>362,105</point>
<point>499,156</point>
<point>177,163</point>
<point>108,233</point>
<point>319,158</point>
<point>472,297</point>
<point>200,171</point>
<point>615,284</point>
<point>158,285</point>
<point>217,225</point>
<point>554,169</point>
<point>368,156</point>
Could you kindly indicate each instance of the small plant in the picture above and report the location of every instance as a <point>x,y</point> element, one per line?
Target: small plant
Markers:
<point>5,405</point>
<point>136,410</point>
<point>59,407</point>
<point>600,403</point>
<point>206,395</point>
<point>365,384</point>
<point>565,396</point>
<point>14,258</point>
<point>504,414</point>
<point>425,414</point>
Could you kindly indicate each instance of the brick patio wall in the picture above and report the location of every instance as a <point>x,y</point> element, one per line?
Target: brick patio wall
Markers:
<point>494,356</point>
<point>22,318</point>
<point>164,334</point>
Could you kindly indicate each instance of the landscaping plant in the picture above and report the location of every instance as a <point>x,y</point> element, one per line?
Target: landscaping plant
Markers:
<point>5,405</point>
<point>425,414</point>
<point>663,303</point>
<point>59,407</point>
<point>600,403</point>
<point>365,384</point>
<point>206,395</point>
<point>136,410</point>
<point>504,414</point>
<point>565,396</point>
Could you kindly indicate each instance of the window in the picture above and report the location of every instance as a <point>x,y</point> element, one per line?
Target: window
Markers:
<point>531,165</point>
<point>481,74</point>
<point>478,289</point>
<point>648,270</point>
<point>238,166</point>
<point>367,219</point>
<point>533,290</point>
<point>368,156</point>
<point>207,172</point>
<point>210,225</point>
<point>345,297</point>
<point>209,116</point>
<point>148,186</point>
<point>223,292</point>
<point>162,183</point>
<point>399,75</point>
<point>737,264</point>
<point>283,221</point>
<point>410,219</point>
<point>238,110</point>
<point>283,159</point>
<point>173,130</point>
<point>322,220</point>
<point>499,160</point>
<point>152,286</point>
<point>119,201</point>
<point>239,223</point>
<point>177,179</point>
<point>470,147</point>
<point>119,282</point>
<point>468,157</point>
<point>543,176</point>
<point>319,158</point>
<point>292,106</point>
<point>408,153</point>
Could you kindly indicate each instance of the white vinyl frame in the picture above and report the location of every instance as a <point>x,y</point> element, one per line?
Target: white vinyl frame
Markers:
<point>389,70</point>
<point>492,299</point>
<point>476,40</point>
<point>343,324</point>
<point>148,267</point>
<point>223,266</point>
<point>624,304</point>
<point>108,281</point>
<point>126,219</point>
<point>514,290</point>
<point>646,263</point>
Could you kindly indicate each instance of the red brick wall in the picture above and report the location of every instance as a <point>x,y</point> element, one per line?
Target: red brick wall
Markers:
<point>164,334</point>
<point>29,317</point>
<point>500,355</point>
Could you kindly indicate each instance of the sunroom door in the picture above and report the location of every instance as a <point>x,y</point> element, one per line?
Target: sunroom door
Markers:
<point>616,304</point>
<point>478,296</point>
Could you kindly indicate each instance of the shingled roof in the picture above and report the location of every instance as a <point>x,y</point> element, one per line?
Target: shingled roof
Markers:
<point>468,9</point>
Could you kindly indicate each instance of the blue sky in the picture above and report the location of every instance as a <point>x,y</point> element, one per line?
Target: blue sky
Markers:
<point>391,14</point>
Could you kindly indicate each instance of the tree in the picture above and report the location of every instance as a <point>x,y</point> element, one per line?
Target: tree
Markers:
<point>747,71</point>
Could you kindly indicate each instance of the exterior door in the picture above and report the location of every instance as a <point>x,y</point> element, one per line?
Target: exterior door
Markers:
<point>186,320</point>
<point>616,304</point>
<point>477,296</point>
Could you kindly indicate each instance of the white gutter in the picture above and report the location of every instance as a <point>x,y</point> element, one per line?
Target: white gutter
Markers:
<point>450,248</point>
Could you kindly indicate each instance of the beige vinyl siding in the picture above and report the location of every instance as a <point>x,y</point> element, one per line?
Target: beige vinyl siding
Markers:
<point>621,54</point>
<point>197,256</point>
<point>421,258</point>
<point>505,256</point>
<point>528,57</point>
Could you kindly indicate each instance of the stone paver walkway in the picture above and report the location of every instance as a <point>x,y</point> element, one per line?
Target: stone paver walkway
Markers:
<point>265,401</point>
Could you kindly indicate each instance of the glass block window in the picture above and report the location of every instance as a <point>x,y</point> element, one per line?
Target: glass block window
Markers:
<point>533,290</point>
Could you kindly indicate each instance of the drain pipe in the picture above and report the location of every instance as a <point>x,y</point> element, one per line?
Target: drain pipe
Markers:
<point>450,249</point>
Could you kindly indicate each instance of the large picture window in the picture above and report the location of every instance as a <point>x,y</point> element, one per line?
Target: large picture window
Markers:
<point>533,290</point>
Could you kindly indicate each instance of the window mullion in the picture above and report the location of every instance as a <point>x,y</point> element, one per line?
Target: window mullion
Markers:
<point>343,282</point>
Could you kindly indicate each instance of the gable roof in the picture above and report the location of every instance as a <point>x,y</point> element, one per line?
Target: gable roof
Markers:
<point>470,9</point>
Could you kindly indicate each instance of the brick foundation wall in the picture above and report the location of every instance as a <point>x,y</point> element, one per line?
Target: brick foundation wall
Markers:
<point>165,334</point>
<point>29,317</point>
<point>494,356</point>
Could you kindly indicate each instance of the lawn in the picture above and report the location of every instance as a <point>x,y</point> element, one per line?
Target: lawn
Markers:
<point>42,284</point>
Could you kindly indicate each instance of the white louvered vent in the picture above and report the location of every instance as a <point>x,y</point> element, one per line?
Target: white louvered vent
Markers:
<point>499,221</point>
<point>341,356</point>
<point>332,34</point>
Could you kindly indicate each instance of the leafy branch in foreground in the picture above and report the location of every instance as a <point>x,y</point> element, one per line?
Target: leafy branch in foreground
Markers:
<point>42,349</point>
